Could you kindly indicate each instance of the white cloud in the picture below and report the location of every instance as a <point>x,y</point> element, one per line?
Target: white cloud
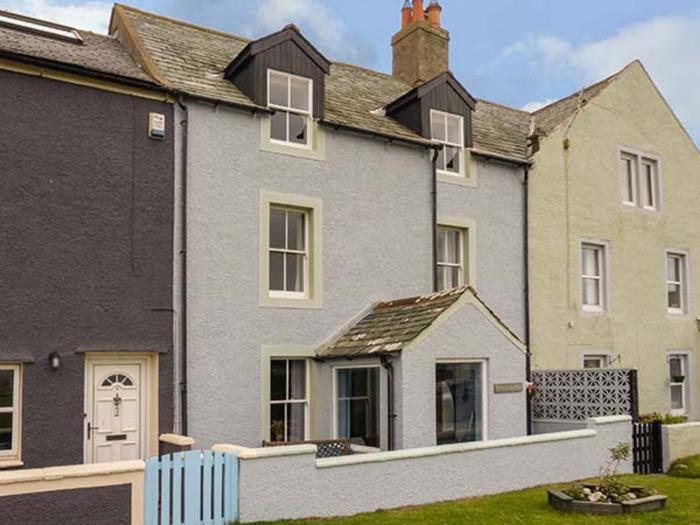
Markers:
<point>533,106</point>
<point>667,46</point>
<point>90,15</point>
<point>326,29</point>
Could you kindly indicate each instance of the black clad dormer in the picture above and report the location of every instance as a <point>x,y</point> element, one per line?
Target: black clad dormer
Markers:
<point>442,93</point>
<point>287,51</point>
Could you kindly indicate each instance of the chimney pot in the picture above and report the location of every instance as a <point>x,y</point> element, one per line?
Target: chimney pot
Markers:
<point>406,15</point>
<point>434,11</point>
<point>418,11</point>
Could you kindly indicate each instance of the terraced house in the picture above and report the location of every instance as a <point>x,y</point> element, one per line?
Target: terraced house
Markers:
<point>613,239</point>
<point>312,195</point>
<point>86,213</point>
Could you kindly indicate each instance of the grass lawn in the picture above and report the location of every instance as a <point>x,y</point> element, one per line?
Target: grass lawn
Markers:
<point>686,468</point>
<point>530,507</point>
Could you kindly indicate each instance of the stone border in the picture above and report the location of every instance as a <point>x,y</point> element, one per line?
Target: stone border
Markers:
<point>564,503</point>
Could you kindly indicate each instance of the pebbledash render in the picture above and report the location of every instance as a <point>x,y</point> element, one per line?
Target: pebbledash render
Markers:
<point>317,195</point>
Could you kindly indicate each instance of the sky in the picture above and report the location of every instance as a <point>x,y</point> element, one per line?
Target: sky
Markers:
<point>522,53</point>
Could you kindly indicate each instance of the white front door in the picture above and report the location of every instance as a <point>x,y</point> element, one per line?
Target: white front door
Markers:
<point>116,411</point>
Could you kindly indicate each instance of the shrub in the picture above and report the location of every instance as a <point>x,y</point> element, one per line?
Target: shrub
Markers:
<point>664,419</point>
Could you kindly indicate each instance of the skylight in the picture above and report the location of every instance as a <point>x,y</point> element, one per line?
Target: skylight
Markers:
<point>40,27</point>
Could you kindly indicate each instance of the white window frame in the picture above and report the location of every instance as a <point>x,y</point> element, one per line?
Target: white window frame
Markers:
<point>336,370</point>
<point>602,358</point>
<point>11,458</point>
<point>484,394</point>
<point>283,294</point>
<point>308,114</point>
<point>435,113</point>
<point>305,401</point>
<point>684,386</point>
<point>639,162</point>
<point>684,282</point>
<point>461,250</point>
<point>313,291</point>
<point>603,281</point>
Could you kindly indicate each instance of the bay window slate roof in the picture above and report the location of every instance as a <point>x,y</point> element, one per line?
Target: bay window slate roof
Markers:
<point>391,325</point>
<point>100,53</point>
<point>193,59</point>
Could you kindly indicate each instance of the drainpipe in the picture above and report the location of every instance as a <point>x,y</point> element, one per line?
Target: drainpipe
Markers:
<point>434,218</point>
<point>183,261</point>
<point>526,245</point>
<point>391,416</point>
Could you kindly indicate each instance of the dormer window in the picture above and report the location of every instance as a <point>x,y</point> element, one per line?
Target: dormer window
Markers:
<point>291,99</point>
<point>448,130</point>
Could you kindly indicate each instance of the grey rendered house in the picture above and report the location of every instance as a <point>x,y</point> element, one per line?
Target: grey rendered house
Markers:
<point>86,215</point>
<point>315,194</point>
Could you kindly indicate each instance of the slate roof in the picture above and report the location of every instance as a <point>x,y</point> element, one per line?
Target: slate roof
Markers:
<point>99,53</point>
<point>390,326</point>
<point>193,58</point>
<point>552,116</point>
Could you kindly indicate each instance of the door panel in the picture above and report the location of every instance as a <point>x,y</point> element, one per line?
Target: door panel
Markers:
<point>117,411</point>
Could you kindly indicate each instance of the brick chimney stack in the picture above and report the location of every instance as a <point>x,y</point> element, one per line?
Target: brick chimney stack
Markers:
<point>421,47</point>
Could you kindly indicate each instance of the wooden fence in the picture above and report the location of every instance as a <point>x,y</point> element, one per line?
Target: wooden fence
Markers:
<point>188,488</point>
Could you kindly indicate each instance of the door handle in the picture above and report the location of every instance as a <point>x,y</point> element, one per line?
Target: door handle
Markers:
<point>90,429</point>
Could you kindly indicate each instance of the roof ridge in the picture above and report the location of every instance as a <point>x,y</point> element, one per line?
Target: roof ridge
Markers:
<point>183,23</point>
<point>433,296</point>
<point>504,106</point>
<point>370,70</point>
<point>594,85</point>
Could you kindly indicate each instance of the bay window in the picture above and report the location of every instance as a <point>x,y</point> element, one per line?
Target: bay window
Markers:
<point>357,405</point>
<point>460,401</point>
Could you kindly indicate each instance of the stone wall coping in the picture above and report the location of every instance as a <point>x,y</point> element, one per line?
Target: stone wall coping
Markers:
<point>177,440</point>
<point>71,471</point>
<point>681,426</point>
<point>397,455</point>
<point>610,420</point>
<point>267,452</point>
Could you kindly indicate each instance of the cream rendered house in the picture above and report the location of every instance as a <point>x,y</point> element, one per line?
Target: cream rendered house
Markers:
<point>614,239</point>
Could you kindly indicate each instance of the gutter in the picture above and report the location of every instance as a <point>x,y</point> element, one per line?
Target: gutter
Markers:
<point>84,72</point>
<point>376,134</point>
<point>183,262</point>
<point>499,157</point>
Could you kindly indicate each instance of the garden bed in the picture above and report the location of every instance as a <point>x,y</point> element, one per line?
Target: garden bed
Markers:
<point>641,503</point>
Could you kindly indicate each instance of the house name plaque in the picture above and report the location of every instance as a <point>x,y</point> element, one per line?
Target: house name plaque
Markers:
<point>508,388</point>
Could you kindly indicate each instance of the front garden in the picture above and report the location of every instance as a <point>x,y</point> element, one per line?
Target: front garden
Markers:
<point>530,507</point>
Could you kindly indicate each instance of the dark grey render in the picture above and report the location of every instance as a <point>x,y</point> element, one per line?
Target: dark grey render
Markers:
<point>86,214</point>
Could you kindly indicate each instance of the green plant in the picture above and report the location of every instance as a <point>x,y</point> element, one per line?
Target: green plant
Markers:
<point>615,489</point>
<point>618,455</point>
<point>664,419</point>
<point>686,468</point>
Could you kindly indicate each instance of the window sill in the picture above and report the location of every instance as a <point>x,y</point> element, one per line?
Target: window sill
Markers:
<point>459,180</point>
<point>594,311</point>
<point>315,151</point>
<point>291,303</point>
<point>11,463</point>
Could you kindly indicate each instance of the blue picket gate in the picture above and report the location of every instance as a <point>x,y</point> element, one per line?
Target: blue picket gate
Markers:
<point>191,488</point>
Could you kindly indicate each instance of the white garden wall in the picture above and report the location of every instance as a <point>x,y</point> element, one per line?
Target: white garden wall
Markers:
<point>680,441</point>
<point>289,482</point>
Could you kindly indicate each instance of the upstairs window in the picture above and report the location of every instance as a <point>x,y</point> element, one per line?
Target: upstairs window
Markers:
<point>593,277</point>
<point>450,262</point>
<point>290,97</point>
<point>288,252</point>
<point>676,283</point>
<point>639,181</point>
<point>448,130</point>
